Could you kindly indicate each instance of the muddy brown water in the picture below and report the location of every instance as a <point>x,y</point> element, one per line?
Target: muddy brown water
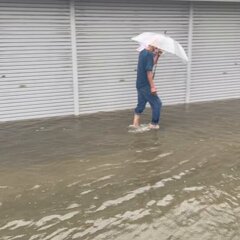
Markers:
<point>88,178</point>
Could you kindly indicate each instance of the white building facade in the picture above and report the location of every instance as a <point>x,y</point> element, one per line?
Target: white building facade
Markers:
<point>69,57</point>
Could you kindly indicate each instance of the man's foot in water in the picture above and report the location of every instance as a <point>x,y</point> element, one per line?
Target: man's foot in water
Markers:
<point>153,126</point>
<point>132,126</point>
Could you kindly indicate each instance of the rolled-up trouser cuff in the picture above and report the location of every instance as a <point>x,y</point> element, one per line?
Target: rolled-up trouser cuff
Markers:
<point>137,113</point>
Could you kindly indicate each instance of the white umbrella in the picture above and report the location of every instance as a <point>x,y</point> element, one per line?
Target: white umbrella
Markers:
<point>160,41</point>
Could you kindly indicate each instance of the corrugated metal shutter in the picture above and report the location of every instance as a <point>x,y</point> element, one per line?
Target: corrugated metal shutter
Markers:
<point>35,59</point>
<point>216,51</point>
<point>107,57</point>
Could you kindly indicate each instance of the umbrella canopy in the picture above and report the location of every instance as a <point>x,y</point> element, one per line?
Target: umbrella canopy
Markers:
<point>162,42</point>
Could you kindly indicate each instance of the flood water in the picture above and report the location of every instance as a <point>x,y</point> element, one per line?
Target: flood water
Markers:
<point>88,178</point>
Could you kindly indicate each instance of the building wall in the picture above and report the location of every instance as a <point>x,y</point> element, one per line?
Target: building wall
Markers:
<point>47,70</point>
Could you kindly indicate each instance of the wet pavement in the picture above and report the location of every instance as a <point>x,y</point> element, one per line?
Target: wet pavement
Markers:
<point>88,178</point>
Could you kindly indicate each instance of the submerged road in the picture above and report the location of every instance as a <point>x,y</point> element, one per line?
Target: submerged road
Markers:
<point>88,178</point>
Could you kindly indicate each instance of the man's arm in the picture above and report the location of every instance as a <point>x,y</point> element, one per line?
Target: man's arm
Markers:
<point>151,82</point>
<point>157,54</point>
<point>150,75</point>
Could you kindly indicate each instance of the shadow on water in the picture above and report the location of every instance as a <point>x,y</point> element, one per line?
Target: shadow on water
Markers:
<point>88,178</point>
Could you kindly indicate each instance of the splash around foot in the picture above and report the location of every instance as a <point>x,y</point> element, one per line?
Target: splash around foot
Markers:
<point>141,128</point>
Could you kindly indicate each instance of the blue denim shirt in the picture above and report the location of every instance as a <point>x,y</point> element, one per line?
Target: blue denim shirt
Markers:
<point>145,64</point>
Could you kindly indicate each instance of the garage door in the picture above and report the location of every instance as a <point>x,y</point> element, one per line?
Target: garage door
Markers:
<point>216,51</point>
<point>35,59</point>
<point>107,58</point>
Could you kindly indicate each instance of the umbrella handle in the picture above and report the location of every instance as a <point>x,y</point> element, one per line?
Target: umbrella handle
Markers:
<point>154,71</point>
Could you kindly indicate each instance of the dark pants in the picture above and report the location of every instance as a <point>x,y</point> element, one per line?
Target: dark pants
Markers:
<point>144,96</point>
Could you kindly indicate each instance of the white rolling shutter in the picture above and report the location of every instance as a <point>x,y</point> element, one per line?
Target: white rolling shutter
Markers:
<point>216,51</point>
<point>107,57</point>
<point>35,59</point>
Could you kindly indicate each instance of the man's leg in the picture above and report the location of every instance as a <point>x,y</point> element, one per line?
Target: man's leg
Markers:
<point>136,120</point>
<point>139,109</point>
<point>156,106</point>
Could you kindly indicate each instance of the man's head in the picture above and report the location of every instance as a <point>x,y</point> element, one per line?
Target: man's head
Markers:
<point>154,44</point>
<point>152,48</point>
<point>155,49</point>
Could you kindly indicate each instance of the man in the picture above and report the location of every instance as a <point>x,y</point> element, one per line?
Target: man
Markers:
<point>146,89</point>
